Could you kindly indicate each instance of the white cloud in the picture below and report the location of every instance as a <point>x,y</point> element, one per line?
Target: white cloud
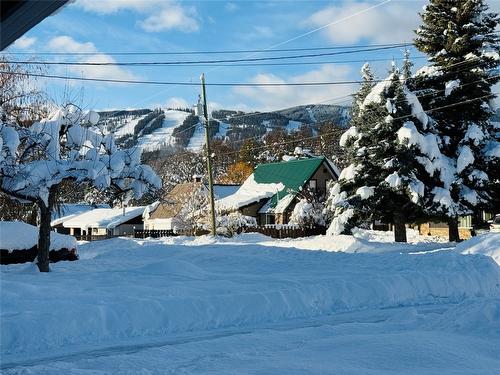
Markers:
<point>391,22</point>
<point>177,102</point>
<point>113,6</point>
<point>276,97</point>
<point>256,33</point>
<point>67,44</point>
<point>24,42</point>
<point>172,16</point>
<point>263,31</point>
<point>161,15</point>
<point>231,7</point>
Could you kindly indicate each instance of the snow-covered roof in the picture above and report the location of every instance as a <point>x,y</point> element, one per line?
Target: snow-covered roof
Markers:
<point>104,217</point>
<point>250,192</point>
<point>69,210</point>
<point>272,178</point>
<point>16,235</point>
<point>281,205</point>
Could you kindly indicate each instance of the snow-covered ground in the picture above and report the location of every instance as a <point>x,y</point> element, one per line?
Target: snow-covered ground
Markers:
<point>224,127</point>
<point>197,141</point>
<point>163,136</point>
<point>486,244</point>
<point>127,125</point>
<point>255,305</point>
<point>293,126</point>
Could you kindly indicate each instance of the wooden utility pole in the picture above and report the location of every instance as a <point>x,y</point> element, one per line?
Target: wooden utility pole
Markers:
<point>209,156</point>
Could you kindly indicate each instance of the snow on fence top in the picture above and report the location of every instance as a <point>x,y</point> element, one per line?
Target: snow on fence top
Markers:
<point>16,235</point>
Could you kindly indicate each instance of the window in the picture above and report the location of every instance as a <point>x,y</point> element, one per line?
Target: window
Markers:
<point>312,184</point>
<point>465,222</point>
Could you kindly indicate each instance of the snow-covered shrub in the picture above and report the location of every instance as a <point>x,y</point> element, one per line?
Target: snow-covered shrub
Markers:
<point>308,214</point>
<point>194,214</point>
<point>234,223</point>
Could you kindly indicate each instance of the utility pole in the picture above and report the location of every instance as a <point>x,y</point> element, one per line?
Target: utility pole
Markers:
<point>209,156</point>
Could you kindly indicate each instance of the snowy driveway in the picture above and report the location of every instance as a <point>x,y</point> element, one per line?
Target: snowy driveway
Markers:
<point>164,307</point>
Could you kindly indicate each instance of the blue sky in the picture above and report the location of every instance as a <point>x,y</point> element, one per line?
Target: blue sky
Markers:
<point>103,26</point>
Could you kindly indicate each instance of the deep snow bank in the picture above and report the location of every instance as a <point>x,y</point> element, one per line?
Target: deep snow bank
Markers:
<point>16,235</point>
<point>125,290</point>
<point>363,241</point>
<point>486,244</point>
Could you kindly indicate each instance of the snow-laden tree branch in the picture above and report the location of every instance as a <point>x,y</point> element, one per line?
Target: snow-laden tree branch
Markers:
<point>34,161</point>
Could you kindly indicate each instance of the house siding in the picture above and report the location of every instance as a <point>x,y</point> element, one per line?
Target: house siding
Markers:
<point>322,176</point>
<point>441,230</point>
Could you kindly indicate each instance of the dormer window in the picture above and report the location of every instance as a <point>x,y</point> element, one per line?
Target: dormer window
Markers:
<point>312,184</point>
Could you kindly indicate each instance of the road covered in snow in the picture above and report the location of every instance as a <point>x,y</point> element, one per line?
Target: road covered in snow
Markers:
<point>256,305</point>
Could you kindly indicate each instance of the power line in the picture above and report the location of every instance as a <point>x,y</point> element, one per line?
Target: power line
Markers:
<point>288,63</point>
<point>304,62</point>
<point>335,22</point>
<point>206,52</point>
<point>239,84</point>
<point>191,62</point>
<point>167,83</point>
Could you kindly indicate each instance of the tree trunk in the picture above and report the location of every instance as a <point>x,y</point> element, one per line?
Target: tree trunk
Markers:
<point>453,235</point>
<point>44,238</point>
<point>44,231</point>
<point>399,227</point>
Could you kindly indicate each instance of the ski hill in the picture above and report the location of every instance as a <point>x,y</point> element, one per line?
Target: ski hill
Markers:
<point>162,137</point>
<point>156,129</point>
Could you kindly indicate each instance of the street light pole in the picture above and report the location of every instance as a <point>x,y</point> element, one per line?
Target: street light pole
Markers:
<point>209,156</point>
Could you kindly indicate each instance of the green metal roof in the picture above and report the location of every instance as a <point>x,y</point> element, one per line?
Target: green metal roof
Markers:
<point>293,174</point>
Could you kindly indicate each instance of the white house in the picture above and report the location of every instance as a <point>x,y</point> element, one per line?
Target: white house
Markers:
<point>68,211</point>
<point>106,221</point>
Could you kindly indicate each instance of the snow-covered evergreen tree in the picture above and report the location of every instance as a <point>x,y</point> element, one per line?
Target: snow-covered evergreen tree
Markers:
<point>459,37</point>
<point>393,161</point>
<point>35,161</point>
<point>357,120</point>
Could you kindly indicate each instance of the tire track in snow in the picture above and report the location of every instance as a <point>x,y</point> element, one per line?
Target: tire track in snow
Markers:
<point>353,317</point>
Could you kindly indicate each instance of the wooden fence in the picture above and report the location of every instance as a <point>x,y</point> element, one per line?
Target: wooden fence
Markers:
<point>273,230</point>
<point>286,231</point>
<point>142,233</point>
<point>95,237</point>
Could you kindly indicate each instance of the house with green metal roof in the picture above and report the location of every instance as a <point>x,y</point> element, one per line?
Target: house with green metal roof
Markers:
<point>271,192</point>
